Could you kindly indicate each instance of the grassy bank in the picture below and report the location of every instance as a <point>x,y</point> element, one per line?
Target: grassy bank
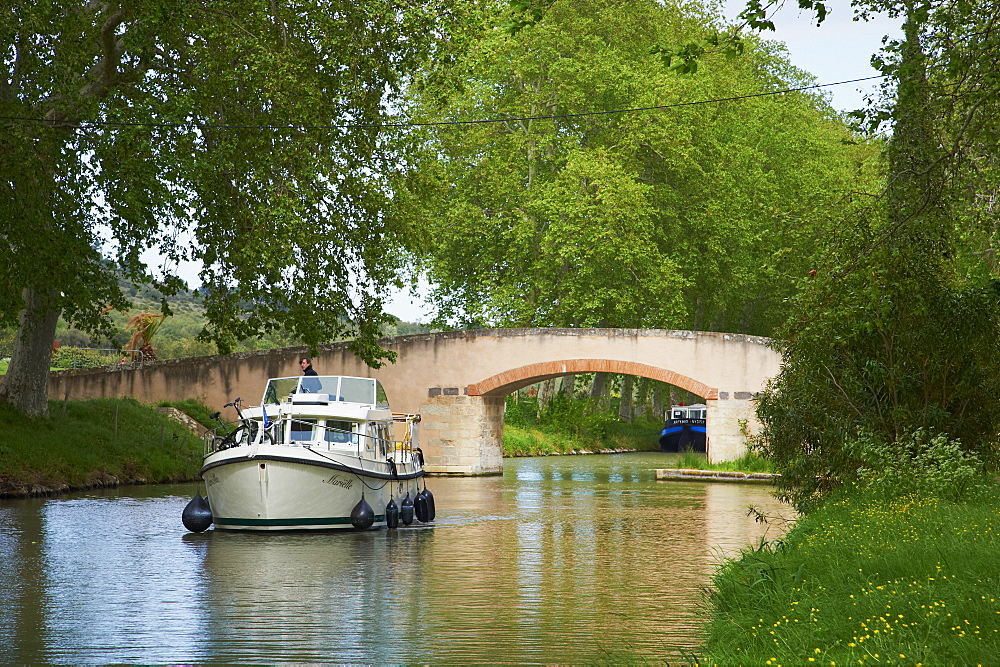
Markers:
<point>747,463</point>
<point>863,580</point>
<point>542,441</point>
<point>102,442</point>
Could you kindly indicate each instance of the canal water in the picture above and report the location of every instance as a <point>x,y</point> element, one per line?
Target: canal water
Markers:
<point>566,559</point>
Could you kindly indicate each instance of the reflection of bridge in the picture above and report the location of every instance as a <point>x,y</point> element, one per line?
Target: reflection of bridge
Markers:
<point>458,379</point>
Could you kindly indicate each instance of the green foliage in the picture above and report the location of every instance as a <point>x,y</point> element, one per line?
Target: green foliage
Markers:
<point>91,440</point>
<point>918,464</point>
<point>178,337</point>
<point>749,462</point>
<point>516,414</point>
<point>524,13</point>
<point>911,579</point>
<point>545,440</point>
<point>74,357</point>
<point>879,353</point>
<point>568,424</point>
<point>898,333</point>
<point>238,136</point>
<point>527,441</point>
<point>577,416</point>
<point>675,218</point>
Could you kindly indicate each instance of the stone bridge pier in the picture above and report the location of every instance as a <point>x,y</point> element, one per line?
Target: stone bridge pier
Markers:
<point>458,380</point>
<point>462,435</point>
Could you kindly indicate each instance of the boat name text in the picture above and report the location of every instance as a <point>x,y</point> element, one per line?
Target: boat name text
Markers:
<point>337,481</point>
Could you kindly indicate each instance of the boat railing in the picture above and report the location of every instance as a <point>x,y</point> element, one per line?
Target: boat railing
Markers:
<point>320,437</point>
<point>224,436</point>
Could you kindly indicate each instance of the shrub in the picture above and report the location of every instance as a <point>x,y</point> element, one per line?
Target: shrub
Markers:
<point>918,462</point>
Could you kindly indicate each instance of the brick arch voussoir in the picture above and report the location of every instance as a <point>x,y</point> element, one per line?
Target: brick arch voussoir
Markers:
<point>504,383</point>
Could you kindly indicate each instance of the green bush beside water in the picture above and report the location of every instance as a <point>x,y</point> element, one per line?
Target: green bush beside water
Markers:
<point>91,442</point>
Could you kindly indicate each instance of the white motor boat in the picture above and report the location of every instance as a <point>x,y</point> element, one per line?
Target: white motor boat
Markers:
<point>318,453</point>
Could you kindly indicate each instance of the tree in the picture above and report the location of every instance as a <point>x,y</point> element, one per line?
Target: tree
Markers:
<point>893,334</point>
<point>898,334</point>
<point>144,326</point>
<point>570,214</point>
<point>257,130</point>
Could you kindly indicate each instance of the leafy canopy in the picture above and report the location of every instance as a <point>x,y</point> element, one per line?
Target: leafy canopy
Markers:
<point>571,213</point>
<point>250,137</point>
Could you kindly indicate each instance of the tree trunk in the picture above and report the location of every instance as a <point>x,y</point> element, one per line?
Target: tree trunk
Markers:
<point>567,385</point>
<point>642,398</point>
<point>658,401</point>
<point>625,406</point>
<point>26,385</point>
<point>915,168</point>
<point>676,394</point>
<point>599,388</point>
<point>545,393</point>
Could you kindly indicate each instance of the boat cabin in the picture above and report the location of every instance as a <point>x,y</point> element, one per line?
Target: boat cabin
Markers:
<point>685,429</point>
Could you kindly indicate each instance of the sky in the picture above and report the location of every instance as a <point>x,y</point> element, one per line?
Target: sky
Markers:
<point>839,50</point>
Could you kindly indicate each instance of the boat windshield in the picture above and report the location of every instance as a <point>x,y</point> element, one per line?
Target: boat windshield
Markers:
<point>688,412</point>
<point>337,388</point>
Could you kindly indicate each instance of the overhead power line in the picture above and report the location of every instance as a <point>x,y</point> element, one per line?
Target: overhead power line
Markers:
<point>506,119</point>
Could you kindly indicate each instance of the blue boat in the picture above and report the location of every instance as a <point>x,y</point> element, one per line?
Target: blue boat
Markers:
<point>684,429</point>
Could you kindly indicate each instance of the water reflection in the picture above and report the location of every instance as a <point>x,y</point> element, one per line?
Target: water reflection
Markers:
<point>564,559</point>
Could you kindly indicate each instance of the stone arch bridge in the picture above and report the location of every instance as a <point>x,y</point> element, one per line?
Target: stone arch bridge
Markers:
<point>457,380</point>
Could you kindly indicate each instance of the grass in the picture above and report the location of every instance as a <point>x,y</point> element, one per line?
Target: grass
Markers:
<point>541,441</point>
<point>4,364</point>
<point>93,443</point>
<point>866,580</point>
<point>749,462</point>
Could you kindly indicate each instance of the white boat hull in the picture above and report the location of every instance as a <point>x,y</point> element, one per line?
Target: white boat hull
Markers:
<point>291,488</point>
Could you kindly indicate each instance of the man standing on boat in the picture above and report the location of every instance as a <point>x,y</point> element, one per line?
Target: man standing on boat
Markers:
<point>306,364</point>
<point>310,386</point>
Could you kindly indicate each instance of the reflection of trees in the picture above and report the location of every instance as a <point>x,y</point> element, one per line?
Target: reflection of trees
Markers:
<point>23,612</point>
<point>574,559</point>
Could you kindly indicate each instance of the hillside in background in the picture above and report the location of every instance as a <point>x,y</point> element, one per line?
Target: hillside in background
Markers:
<point>176,338</point>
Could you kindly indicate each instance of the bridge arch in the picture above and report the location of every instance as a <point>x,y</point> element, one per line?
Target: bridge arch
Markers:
<point>509,381</point>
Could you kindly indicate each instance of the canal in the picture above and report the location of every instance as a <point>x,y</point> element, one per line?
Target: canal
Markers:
<point>564,559</point>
